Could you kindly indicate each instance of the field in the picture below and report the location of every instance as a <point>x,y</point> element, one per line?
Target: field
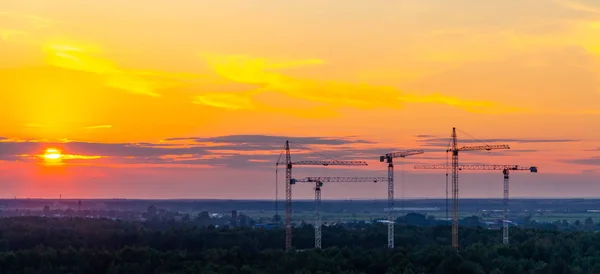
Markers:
<point>543,210</point>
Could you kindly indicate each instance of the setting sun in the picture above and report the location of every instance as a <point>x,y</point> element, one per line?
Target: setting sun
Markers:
<point>52,154</point>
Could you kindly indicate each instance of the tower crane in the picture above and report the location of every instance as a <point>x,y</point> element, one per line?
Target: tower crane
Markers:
<point>318,184</point>
<point>506,169</point>
<point>455,149</point>
<point>288,186</point>
<point>389,159</point>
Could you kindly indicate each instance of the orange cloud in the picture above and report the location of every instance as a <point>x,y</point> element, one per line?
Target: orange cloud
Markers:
<point>231,101</point>
<point>23,28</point>
<point>83,58</point>
<point>249,70</point>
<point>69,53</point>
<point>469,105</point>
<point>79,157</point>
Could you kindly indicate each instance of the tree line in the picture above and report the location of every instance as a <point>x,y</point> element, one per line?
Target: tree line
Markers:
<point>74,245</point>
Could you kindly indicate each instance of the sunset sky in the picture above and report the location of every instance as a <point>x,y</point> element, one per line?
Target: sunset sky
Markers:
<point>195,99</point>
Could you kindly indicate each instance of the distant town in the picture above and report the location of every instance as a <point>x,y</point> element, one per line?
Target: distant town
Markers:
<point>566,214</point>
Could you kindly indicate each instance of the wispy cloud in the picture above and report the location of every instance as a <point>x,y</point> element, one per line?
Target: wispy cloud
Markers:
<point>85,58</point>
<point>32,19</point>
<point>263,73</point>
<point>23,27</point>
<point>239,151</point>
<point>474,106</point>
<point>232,101</point>
<point>70,53</point>
<point>591,161</point>
<point>579,6</point>
<point>444,142</point>
<point>260,71</point>
<point>231,151</point>
<point>271,139</point>
<point>99,127</point>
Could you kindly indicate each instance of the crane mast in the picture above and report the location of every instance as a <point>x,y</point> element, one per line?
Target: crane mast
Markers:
<point>318,225</point>
<point>389,159</point>
<point>318,184</point>
<point>454,189</point>
<point>288,185</point>
<point>455,149</point>
<point>288,196</point>
<point>506,169</point>
<point>506,175</point>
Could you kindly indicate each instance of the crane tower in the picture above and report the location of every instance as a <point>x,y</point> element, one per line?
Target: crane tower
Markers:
<point>506,169</point>
<point>389,159</point>
<point>455,149</point>
<point>288,185</point>
<point>318,184</point>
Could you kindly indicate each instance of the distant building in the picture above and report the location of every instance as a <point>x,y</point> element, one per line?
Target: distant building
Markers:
<point>234,218</point>
<point>47,210</point>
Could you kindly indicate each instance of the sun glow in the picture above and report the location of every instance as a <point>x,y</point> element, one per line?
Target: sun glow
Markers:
<point>52,154</point>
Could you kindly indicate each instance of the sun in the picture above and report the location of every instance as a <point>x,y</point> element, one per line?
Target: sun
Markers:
<point>52,154</point>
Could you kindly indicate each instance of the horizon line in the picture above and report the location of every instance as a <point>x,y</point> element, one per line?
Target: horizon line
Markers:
<point>283,200</point>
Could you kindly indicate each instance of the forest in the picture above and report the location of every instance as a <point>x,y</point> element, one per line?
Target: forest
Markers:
<point>75,245</point>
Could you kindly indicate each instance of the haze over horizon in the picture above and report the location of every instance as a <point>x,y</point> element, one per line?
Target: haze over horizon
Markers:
<point>134,99</point>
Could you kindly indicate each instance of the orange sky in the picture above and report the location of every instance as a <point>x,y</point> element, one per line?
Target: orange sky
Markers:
<point>195,99</point>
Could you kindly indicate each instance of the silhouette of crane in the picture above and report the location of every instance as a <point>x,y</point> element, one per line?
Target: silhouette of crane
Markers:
<point>288,186</point>
<point>506,169</point>
<point>318,184</point>
<point>455,149</point>
<point>389,159</point>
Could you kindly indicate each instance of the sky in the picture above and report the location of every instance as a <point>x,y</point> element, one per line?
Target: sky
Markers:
<point>195,99</point>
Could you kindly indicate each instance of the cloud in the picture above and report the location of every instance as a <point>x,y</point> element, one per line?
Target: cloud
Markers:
<point>85,58</point>
<point>230,151</point>
<point>579,6</point>
<point>99,127</point>
<point>528,140</point>
<point>592,161</point>
<point>271,139</point>
<point>504,152</point>
<point>72,54</point>
<point>473,106</point>
<point>238,151</point>
<point>260,71</point>
<point>20,147</point>
<point>266,76</point>
<point>31,19</point>
<point>23,28</point>
<point>230,101</point>
<point>551,70</point>
<point>444,142</point>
